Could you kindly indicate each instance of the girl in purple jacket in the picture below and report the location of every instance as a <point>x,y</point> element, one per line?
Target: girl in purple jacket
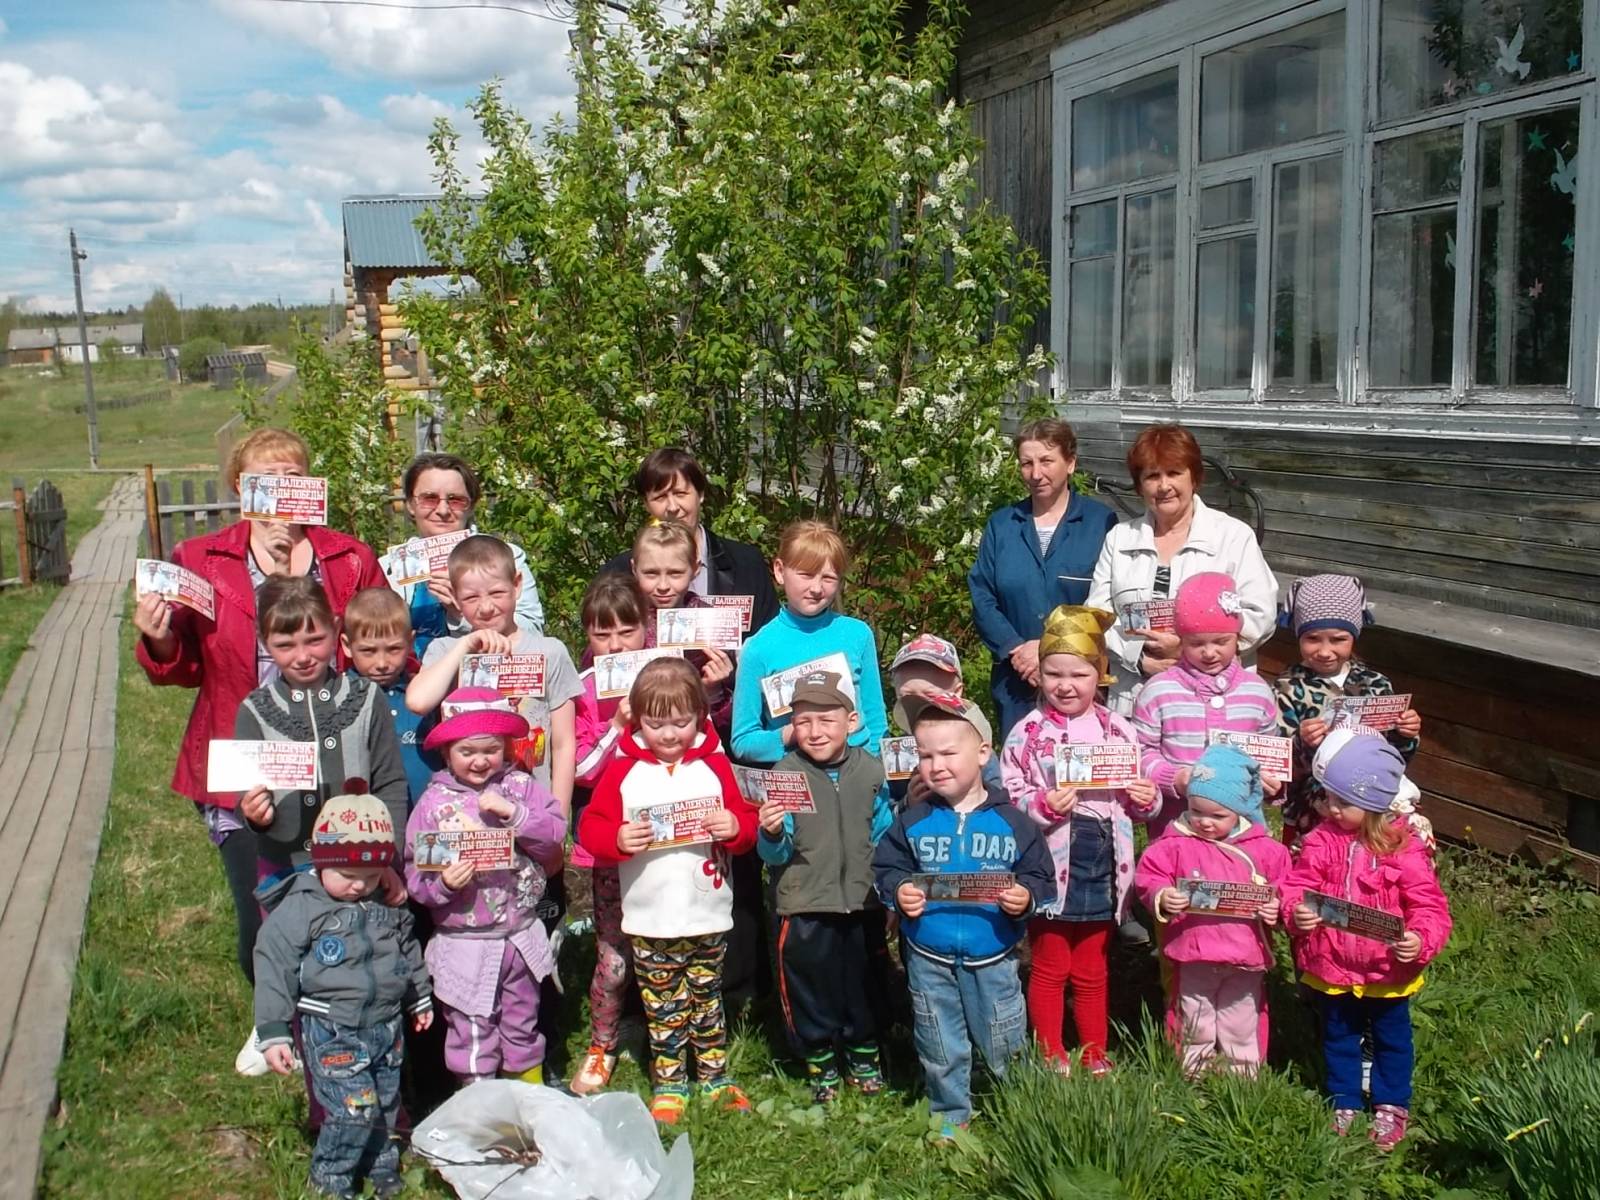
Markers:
<point>1365,852</point>
<point>489,951</point>
<point>1216,938</point>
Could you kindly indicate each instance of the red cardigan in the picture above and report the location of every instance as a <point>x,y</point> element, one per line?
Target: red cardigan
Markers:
<point>219,657</point>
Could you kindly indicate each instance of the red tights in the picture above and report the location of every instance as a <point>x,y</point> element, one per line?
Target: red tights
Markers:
<point>1068,952</point>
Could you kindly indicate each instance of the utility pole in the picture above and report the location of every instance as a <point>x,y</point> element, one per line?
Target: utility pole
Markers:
<point>181,336</point>
<point>83,341</point>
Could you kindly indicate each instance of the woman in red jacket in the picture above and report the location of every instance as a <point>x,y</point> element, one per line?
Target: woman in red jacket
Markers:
<point>223,657</point>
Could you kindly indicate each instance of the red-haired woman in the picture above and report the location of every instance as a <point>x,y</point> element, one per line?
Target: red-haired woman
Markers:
<point>1178,536</point>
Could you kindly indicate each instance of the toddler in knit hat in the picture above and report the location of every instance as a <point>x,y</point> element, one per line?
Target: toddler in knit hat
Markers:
<point>1212,879</point>
<point>1326,614</point>
<point>1179,712</point>
<point>347,976</point>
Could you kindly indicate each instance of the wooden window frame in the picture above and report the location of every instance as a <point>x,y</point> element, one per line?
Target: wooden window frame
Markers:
<point>1182,33</point>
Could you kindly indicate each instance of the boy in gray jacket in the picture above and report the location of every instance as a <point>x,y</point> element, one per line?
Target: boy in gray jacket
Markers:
<point>334,952</point>
<point>831,951</point>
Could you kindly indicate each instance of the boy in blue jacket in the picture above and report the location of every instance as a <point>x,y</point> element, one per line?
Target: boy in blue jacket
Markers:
<point>961,932</point>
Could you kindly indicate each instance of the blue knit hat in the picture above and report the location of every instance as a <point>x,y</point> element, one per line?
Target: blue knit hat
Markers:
<point>1228,776</point>
<point>1328,602</point>
<point>1364,770</point>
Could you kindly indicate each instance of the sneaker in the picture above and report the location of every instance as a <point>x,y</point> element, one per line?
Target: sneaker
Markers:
<point>822,1073</point>
<point>1389,1123</point>
<point>726,1096</point>
<point>1098,1064</point>
<point>386,1185</point>
<point>825,1091</point>
<point>947,1130</point>
<point>250,1062</point>
<point>666,1108</point>
<point>594,1073</point>
<point>1343,1119</point>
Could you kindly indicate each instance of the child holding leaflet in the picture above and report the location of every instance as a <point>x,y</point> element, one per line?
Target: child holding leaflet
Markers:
<point>1327,614</point>
<point>614,613</point>
<point>345,715</point>
<point>1365,851</point>
<point>345,967</point>
<point>928,663</point>
<point>1208,691</point>
<point>665,558</point>
<point>960,955</point>
<point>809,569</point>
<point>1217,1005</point>
<point>831,951</point>
<point>489,952</point>
<point>676,903</point>
<point>1088,831</point>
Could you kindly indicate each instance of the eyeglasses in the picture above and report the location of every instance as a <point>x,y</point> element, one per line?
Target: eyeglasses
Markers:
<point>432,500</point>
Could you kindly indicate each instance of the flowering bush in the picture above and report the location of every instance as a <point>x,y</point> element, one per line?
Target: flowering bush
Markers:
<point>760,240</point>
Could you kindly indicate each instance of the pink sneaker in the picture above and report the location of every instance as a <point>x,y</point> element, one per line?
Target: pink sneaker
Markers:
<point>1389,1122</point>
<point>1343,1119</point>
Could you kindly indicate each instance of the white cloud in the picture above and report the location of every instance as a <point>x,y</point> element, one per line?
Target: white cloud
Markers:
<point>2,27</point>
<point>55,123</point>
<point>416,113</point>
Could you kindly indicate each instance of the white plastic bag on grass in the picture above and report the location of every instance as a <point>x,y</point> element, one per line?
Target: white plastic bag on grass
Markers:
<point>601,1147</point>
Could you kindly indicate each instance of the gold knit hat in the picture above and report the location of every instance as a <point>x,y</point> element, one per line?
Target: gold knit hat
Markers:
<point>1076,629</point>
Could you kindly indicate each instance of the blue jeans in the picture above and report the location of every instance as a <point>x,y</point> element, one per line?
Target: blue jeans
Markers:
<point>1344,1018</point>
<point>355,1076</point>
<point>953,1007</point>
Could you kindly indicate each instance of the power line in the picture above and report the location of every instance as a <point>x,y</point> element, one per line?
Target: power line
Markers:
<point>486,7</point>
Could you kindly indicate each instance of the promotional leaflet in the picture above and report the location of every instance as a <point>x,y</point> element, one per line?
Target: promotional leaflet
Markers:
<point>509,674</point>
<point>1359,919</point>
<point>486,849</point>
<point>153,577</point>
<point>292,499</point>
<point>899,755</point>
<point>680,823</point>
<point>789,790</point>
<point>1274,755</point>
<point>238,766</point>
<point>699,628</point>
<point>1225,898</point>
<point>778,688</point>
<point>1379,713</point>
<point>968,887</point>
<point>614,673</point>
<point>1091,765</point>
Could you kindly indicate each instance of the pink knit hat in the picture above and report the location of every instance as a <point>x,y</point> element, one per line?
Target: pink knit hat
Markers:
<point>474,712</point>
<point>1208,603</point>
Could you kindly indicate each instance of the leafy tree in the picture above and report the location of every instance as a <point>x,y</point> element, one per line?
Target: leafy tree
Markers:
<point>111,356</point>
<point>192,357</point>
<point>10,315</point>
<point>761,240</point>
<point>162,326</point>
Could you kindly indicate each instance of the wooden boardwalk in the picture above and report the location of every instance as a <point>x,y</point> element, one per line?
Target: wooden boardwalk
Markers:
<point>57,729</point>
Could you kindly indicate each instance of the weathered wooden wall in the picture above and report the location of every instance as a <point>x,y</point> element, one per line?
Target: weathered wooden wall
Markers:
<point>1487,523</point>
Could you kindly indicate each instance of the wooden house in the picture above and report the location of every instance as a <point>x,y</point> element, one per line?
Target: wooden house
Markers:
<point>227,369</point>
<point>1341,241</point>
<point>26,347</point>
<point>381,247</point>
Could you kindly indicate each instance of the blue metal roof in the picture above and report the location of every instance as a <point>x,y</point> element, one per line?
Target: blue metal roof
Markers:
<point>381,231</point>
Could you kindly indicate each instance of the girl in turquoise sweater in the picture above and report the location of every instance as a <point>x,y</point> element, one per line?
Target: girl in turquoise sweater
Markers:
<point>809,568</point>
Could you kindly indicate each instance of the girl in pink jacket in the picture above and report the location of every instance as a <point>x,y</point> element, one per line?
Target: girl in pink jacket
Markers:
<point>1088,831</point>
<point>1216,944</point>
<point>1365,852</point>
<point>1206,692</point>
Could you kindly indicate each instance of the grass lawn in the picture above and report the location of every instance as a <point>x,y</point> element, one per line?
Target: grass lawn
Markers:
<point>42,425</point>
<point>151,1106</point>
<point>22,607</point>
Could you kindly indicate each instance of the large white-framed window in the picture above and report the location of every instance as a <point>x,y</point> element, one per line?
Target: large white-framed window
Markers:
<point>1337,203</point>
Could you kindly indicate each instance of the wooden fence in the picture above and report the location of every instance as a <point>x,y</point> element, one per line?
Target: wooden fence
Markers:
<point>40,521</point>
<point>168,522</point>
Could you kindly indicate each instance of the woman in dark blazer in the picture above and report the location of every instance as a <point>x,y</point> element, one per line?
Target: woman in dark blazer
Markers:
<point>1035,555</point>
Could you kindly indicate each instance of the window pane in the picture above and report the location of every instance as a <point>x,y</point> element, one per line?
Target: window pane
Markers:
<point>1147,290</point>
<point>1126,132</point>
<point>1413,297</point>
<point>1094,229</point>
<point>1415,170</point>
<point>1285,87</point>
<point>1226,204</point>
<point>1226,306</point>
<point>1305,273</point>
<point>1441,51</point>
<point>1526,227</point>
<point>1089,323</point>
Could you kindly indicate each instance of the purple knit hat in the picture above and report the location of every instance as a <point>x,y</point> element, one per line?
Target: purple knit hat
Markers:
<point>1365,770</point>
<point>1328,602</point>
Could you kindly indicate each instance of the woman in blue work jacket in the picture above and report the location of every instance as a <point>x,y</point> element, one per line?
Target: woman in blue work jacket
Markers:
<point>1035,554</point>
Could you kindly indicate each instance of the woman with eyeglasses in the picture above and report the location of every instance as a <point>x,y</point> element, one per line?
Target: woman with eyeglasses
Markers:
<point>441,492</point>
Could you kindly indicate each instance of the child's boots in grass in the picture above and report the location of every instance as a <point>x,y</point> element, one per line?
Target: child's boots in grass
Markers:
<point>595,1071</point>
<point>1389,1124</point>
<point>822,1073</point>
<point>865,1068</point>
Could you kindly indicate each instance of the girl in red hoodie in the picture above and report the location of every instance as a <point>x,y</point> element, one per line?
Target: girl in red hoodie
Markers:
<point>668,813</point>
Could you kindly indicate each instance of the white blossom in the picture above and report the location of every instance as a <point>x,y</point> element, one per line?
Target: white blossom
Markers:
<point>710,264</point>
<point>645,401</point>
<point>966,285</point>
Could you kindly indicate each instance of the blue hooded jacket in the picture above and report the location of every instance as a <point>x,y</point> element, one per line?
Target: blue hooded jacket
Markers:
<point>931,838</point>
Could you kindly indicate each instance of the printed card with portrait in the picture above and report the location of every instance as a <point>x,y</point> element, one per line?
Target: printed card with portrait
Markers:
<point>1360,919</point>
<point>1378,713</point>
<point>153,577</point>
<point>965,887</point>
<point>899,756</point>
<point>1225,898</point>
<point>239,766</point>
<point>292,499</point>
<point>485,849</point>
<point>699,628</point>
<point>614,673</point>
<point>681,822</point>
<point>1096,765</point>
<point>509,674</point>
<point>778,688</point>
<point>1274,755</point>
<point>789,790</point>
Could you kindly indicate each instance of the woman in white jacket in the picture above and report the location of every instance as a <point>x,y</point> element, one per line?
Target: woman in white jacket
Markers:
<point>1177,537</point>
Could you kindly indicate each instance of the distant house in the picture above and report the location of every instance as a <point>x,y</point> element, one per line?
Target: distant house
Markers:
<point>129,337</point>
<point>225,370</point>
<point>30,346</point>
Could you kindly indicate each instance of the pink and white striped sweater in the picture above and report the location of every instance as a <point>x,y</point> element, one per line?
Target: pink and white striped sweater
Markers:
<point>1179,709</point>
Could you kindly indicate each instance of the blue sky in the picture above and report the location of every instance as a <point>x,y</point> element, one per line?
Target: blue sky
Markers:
<point>204,145</point>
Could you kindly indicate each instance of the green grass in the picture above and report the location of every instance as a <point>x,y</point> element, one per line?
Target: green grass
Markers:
<point>42,428</point>
<point>151,1106</point>
<point>22,607</point>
